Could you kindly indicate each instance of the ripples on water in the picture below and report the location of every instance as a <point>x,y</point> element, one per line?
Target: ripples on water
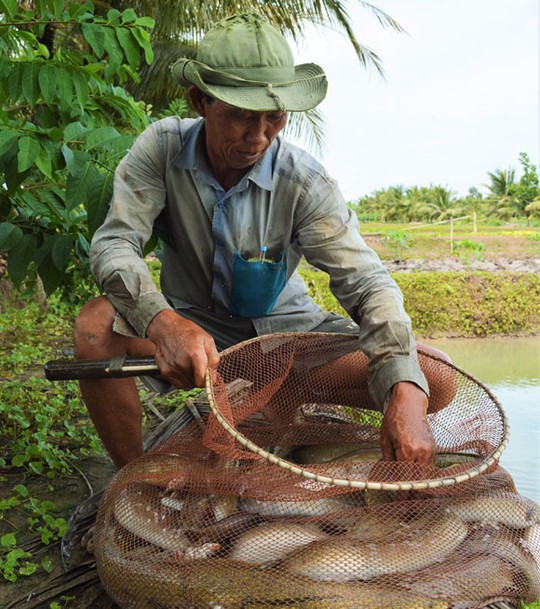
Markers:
<point>510,369</point>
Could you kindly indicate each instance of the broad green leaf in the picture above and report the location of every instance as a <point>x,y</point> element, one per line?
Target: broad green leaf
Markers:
<point>130,46</point>
<point>47,81</point>
<point>50,274</point>
<point>44,162</point>
<point>53,203</point>
<point>113,49</point>
<point>117,148</point>
<point>99,198</point>
<point>143,38</point>
<point>77,186</point>
<point>94,69</point>
<point>82,247</point>
<point>28,150</point>
<point>94,34</point>
<point>10,235</point>
<point>14,81</point>
<point>145,22</point>
<point>61,251</point>
<point>37,210</point>
<point>101,138</point>
<point>77,160</point>
<point>30,82</point>
<point>129,15</point>
<point>81,88</point>
<point>75,131</point>
<point>19,258</point>
<point>68,157</point>
<point>113,15</point>
<point>65,89</point>
<point>53,148</point>
<point>7,139</point>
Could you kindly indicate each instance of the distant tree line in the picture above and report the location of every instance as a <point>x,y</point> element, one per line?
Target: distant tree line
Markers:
<point>506,199</point>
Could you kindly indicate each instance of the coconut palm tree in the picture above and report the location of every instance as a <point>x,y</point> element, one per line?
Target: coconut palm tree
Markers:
<point>501,182</point>
<point>501,201</point>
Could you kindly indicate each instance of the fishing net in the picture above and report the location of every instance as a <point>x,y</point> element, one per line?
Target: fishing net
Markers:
<point>278,497</point>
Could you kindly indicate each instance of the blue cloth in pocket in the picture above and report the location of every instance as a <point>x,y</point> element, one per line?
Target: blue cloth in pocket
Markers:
<point>256,285</point>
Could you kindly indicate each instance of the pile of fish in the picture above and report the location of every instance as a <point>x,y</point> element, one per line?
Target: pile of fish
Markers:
<point>161,544</point>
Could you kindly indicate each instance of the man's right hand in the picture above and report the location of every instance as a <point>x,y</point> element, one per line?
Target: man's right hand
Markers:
<point>183,349</point>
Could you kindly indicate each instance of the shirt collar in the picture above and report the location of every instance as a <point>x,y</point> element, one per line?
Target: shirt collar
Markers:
<point>191,157</point>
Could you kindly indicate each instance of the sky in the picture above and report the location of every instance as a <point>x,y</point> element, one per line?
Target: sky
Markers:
<point>460,96</point>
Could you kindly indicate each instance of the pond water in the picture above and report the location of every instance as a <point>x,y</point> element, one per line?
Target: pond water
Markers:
<point>510,369</point>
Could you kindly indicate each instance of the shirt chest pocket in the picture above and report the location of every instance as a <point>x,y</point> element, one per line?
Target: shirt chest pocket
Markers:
<point>256,285</point>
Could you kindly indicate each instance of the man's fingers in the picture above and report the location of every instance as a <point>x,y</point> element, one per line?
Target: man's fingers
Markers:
<point>388,452</point>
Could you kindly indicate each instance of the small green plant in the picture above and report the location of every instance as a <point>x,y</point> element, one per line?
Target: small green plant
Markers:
<point>41,519</point>
<point>466,250</point>
<point>63,602</point>
<point>399,242</point>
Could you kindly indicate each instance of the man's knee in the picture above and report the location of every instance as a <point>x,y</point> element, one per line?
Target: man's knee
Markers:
<point>93,327</point>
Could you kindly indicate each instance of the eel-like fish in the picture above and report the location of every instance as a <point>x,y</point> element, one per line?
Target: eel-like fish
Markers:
<point>342,558</point>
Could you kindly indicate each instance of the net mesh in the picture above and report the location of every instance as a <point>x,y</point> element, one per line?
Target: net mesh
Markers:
<point>279,497</point>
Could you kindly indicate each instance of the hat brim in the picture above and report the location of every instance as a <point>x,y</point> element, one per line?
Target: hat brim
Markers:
<point>305,91</point>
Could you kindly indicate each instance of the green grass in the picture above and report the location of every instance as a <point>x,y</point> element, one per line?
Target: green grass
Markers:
<point>467,304</point>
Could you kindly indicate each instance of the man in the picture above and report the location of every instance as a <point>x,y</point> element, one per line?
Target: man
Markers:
<point>231,192</point>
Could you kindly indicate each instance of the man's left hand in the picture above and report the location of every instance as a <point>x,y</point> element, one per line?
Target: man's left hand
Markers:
<point>405,431</point>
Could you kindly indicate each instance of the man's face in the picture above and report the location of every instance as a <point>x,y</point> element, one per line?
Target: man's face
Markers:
<point>236,139</point>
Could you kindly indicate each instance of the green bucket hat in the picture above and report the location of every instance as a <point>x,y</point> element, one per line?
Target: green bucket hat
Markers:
<point>247,63</point>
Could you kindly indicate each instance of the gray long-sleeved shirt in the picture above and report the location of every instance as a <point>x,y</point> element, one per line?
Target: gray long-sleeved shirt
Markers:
<point>287,202</point>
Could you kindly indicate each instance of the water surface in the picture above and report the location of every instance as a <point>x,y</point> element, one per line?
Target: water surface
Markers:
<point>510,369</point>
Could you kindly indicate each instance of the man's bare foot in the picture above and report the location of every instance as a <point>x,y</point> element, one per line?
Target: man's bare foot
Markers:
<point>87,540</point>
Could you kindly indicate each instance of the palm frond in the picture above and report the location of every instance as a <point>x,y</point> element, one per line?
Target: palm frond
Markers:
<point>156,86</point>
<point>309,128</point>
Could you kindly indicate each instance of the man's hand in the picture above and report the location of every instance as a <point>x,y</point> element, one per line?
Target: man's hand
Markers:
<point>183,349</point>
<point>405,431</point>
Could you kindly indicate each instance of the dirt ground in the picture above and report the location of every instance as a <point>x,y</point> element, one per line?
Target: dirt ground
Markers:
<point>527,265</point>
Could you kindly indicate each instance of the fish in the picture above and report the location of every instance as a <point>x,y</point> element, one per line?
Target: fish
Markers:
<point>513,550</point>
<point>325,453</point>
<point>228,528</point>
<point>369,451</point>
<point>371,526</point>
<point>343,558</point>
<point>140,513</point>
<point>272,541</point>
<point>476,580</point>
<point>341,510</point>
<point>507,509</point>
<point>220,582</point>
<point>196,508</point>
